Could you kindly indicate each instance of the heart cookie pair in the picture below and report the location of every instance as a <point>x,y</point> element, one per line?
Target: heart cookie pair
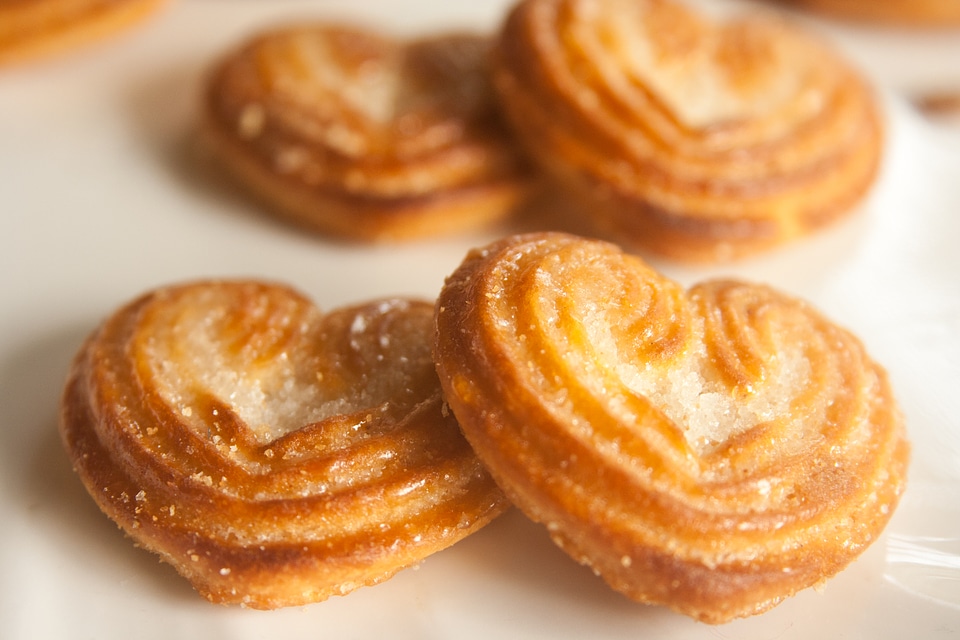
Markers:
<point>693,139</point>
<point>714,450</point>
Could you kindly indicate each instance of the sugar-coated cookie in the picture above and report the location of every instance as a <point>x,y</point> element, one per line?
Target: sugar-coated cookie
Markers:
<point>714,450</point>
<point>273,454</point>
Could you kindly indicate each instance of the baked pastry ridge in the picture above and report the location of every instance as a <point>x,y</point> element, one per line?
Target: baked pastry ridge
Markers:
<point>356,134</point>
<point>694,139</point>
<point>36,28</point>
<point>273,454</point>
<point>713,450</point>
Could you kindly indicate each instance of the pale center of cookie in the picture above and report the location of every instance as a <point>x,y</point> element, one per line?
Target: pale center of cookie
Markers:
<point>691,394</point>
<point>369,85</point>
<point>704,74</point>
<point>653,342</point>
<point>282,369</point>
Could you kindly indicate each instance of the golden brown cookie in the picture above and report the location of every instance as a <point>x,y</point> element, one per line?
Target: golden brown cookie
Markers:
<point>355,134</point>
<point>36,28</point>
<point>908,13</point>
<point>713,450</point>
<point>273,454</point>
<point>693,139</point>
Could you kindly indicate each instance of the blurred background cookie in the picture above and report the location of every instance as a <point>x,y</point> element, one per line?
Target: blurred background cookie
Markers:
<point>36,28</point>
<point>902,13</point>
<point>358,135</point>
<point>693,139</point>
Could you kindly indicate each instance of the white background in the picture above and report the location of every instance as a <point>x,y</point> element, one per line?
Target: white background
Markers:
<point>103,195</point>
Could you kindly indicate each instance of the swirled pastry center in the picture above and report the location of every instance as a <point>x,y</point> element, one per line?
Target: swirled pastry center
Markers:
<point>722,362</point>
<point>263,361</point>
<point>636,341</point>
<point>358,74</point>
<point>362,94</point>
<point>704,74</point>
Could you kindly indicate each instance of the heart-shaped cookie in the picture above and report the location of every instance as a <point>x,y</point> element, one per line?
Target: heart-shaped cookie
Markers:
<point>354,133</point>
<point>694,139</point>
<point>273,454</point>
<point>35,28</point>
<point>714,450</point>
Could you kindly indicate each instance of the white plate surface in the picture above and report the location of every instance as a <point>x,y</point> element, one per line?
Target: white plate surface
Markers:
<point>102,196</point>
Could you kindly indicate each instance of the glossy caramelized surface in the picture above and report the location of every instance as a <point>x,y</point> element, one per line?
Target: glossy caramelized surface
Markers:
<point>273,454</point>
<point>695,139</point>
<point>357,134</point>
<point>35,28</point>
<point>714,450</point>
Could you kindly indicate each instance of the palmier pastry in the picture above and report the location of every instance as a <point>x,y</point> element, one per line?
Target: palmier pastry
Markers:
<point>354,134</point>
<point>696,140</point>
<point>713,450</point>
<point>273,454</point>
<point>916,13</point>
<point>33,28</point>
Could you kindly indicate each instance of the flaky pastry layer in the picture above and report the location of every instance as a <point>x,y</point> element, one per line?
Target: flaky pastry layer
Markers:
<point>273,454</point>
<point>359,135</point>
<point>694,139</point>
<point>714,450</point>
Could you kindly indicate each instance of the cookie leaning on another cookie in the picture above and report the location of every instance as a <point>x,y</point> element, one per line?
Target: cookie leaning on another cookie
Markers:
<point>714,450</point>
<point>352,133</point>
<point>694,139</point>
<point>37,28</point>
<point>273,454</point>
